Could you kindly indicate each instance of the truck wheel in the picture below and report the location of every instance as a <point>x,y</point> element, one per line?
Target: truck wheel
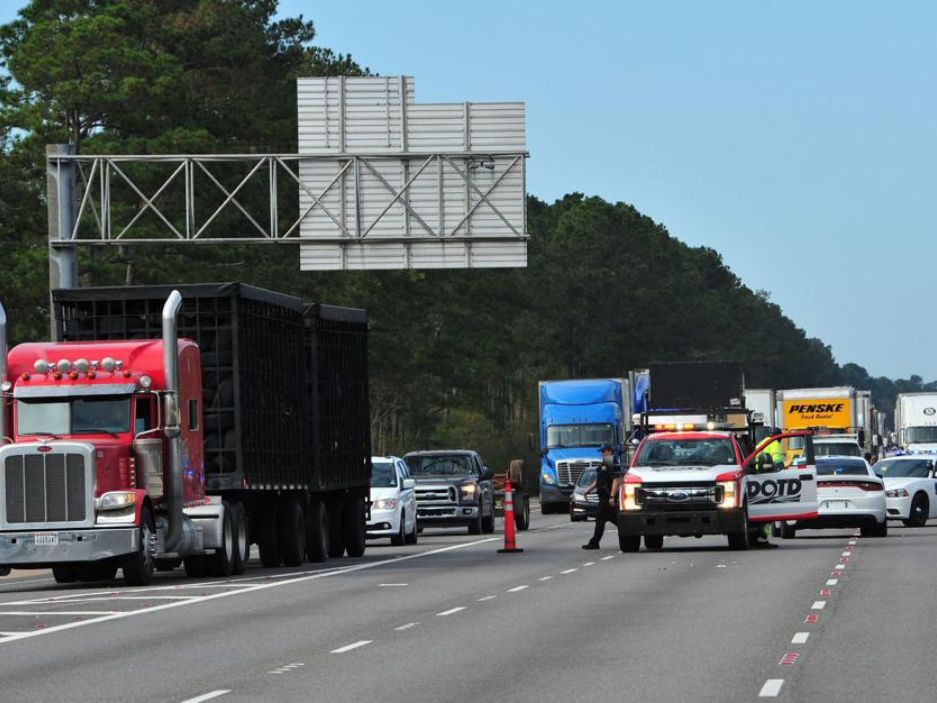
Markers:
<point>653,541</point>
<point>741,540</point>
<point>488,521</point>
<point>317,531</point>
<point>336,533</point>
<point>138,567</point>
<point>475,528</point>
<point>355,527</point>
<point>292,532</point>
<point>628,543</point>
<point>522,516</point>
<point>64,573</point>
<point>267,538</point>
<point>242,543</point>
<point>221,563</point>
<point>788,531</point>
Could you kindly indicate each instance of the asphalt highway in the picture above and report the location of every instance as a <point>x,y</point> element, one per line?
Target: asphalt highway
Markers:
<point>828,616</point>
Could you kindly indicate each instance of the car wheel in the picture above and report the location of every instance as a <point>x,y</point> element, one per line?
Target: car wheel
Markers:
<point>920,509</point>
<point>653,541</point>
<point>413,537</point>
<point>398,539</point>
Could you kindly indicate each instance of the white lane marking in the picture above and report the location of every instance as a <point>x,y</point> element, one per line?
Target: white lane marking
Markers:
<point>408,626</point>
<point>608,557</point>
<point>569,571</point>
<point>771,689</point>
<point>851,542</point>
<point>846,554</point>
<point>23,582</point>
<point>544,578</point>
<point>483,599</point>
<point>353,645</point>
<point>839,566</point>
<point>248,589</point>
<point>832,582</point>
<point>800,638</point>
<point>207,696</point>
<point>118,598</point>
<point>451,611</point>
<point>518,588</point>
<point>58,612</point>
<point>589,563</point>
<point>818,605</point>
<point>392,585</point>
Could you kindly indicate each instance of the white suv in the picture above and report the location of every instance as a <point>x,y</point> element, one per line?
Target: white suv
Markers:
<point>393,501</point>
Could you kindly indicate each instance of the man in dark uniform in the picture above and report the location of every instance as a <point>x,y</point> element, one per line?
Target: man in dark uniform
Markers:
<point>606,485</point>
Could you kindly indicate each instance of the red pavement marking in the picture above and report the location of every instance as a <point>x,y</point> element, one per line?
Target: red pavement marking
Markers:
<point>811,619</point>
<point>826,591</point>
<point>789,659</point>
<point>844,560</point>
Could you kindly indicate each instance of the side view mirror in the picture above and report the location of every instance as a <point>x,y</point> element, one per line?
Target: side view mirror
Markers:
<point>635,442</point>
<point>408,483</point>
<point>171,415</point>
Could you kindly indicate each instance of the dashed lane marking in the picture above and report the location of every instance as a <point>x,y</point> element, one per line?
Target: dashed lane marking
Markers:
<point>789,659</point>
<point>612,556</point>
<point>57,612</point>
<point>832,582</point>
<point>451,611</point>
<point>589,563</point>
<point>811,619</point>
<point>349,647</point>
<point>846,554</point>
<point>518,588</point>
<point>544,578</point>
<point>392,585</point>
<point>207,696</point>
<point>826,592</point>
<point>485,598</point>
<point>771,689</point>
<point>818,605</point>
<point>408,626</point>
<point>569,571</point>
<point>800,638</point>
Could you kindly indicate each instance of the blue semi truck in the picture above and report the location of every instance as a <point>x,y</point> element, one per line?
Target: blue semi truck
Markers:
<point>576,418</point>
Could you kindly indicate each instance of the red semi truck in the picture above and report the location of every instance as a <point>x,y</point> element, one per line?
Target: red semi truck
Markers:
<point>138,453</point>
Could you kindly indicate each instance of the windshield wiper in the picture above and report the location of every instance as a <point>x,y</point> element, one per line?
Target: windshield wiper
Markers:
<point>90,430</point>
<point>43,434</point>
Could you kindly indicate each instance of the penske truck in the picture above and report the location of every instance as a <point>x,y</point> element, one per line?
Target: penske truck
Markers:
<point>180,425</point>
<point>837,415</point>
<point>916,421</point>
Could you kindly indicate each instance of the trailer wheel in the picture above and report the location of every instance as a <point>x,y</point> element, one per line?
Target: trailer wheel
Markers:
<point>522,516</point>
<point>317,531</point>
<point>267,537</point>
<point>138,567</point>
<point>221,563</point>
<point>242,543</point>
<point>355,528</point>
<point>336,512</point>
<point>292,532</point>
<point>64,573</point>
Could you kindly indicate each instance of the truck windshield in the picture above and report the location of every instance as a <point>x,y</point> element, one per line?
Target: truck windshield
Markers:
<point>101,414</point>
<point>579,435</point>
<point>686,452</point>
<point>439,465</point>
<point>836,449</point>
<point>919,435</point>
<point>383,475</point>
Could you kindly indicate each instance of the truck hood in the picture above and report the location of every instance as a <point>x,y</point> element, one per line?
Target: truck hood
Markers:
<point>668,474</point>
<point>574,454</point>
<point>432,480</point>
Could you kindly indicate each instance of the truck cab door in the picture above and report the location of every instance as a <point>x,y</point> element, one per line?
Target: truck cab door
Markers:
<point>781,492</point>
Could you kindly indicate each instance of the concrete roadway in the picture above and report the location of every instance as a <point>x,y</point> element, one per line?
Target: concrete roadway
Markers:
<point>450,619</point>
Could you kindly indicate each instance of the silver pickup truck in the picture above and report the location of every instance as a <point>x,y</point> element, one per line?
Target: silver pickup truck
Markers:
<point>453,489</point>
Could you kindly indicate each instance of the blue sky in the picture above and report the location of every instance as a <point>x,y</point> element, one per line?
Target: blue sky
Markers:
<point>797,138</point>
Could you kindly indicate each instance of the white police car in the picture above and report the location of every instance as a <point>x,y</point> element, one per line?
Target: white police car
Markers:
<point>910,487</point>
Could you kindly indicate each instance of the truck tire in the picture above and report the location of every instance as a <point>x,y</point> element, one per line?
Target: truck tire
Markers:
<point>64,573</point>
<point>355,531</point>
<point>242,542</point>
<point>653,541</point>
<point>221,563</point>
<point>488,521</point>
<point>522,516</point>
<point>475,527</point>
<point>317,531</point>
<point>138,567</point>
<point>336,533</point>
<point>628,543</point>
<point>741,540</point>
<point>788,531</point>
<point>267,537</point>
<point>292,532</point>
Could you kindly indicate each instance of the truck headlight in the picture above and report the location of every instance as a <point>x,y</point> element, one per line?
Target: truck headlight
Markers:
<point>385,504</point>
<point>897,493</point>
<point>116,500</point>
<point>548,479</point>
<point>578,497</point>
<point>468,492</point>
<point>630,493</point>
<point>730,496</point>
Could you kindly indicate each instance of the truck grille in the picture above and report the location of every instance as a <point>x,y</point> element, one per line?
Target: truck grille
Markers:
<point>438,495</point>
<point>45,488</point>
<point>696,496</point>
<point>568,472</point>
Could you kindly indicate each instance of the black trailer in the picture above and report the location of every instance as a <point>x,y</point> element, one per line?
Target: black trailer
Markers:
<point>285,397</point>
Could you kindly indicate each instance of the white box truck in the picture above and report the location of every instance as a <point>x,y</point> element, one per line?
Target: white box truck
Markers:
<point>916,421</point>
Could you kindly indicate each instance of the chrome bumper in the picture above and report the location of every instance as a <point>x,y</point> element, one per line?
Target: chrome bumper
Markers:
<point>20,548</point>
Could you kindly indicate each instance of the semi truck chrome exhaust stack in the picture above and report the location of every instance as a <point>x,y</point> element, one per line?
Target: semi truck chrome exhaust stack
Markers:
<point>176,519</point>
<point>3,370</point>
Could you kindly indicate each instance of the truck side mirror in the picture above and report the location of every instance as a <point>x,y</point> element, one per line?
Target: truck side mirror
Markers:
<point>171,415</point>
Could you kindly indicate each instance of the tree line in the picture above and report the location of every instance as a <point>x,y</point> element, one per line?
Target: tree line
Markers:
<point>455,355</point>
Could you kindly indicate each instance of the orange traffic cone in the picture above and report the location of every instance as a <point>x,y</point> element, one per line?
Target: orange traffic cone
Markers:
<point>510,543</point>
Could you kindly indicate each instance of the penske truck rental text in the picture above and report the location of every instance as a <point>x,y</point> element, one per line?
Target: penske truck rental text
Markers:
<point>800,414</point>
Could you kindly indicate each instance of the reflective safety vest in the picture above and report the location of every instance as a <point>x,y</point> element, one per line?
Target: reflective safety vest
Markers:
<point>776,452</point>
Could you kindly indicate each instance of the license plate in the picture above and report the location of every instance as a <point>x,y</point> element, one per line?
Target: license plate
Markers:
<point>837,504</point>
<point>46,538</point>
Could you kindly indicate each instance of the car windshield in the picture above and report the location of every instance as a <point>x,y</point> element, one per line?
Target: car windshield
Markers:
<point>841,467</point>
<point>587,477</point>
<point>903,468</point>
<point>93,415</point>
<point>579,435</point>
<point>383,475</point>
<point>836,449</point>
<point>439,464</point>
<point>686,452</point>
<point>920,435</point>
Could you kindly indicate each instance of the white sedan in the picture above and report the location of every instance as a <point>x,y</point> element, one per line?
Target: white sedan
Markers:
<point>910,487</point>
<point>850,495</point>
<point>393,501</point>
